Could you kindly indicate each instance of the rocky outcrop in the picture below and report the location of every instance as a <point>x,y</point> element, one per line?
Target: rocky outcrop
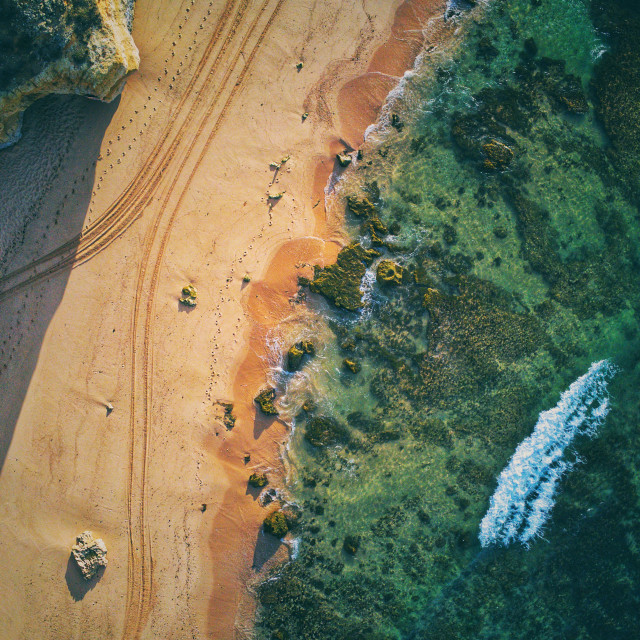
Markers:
<point>79,46</point>
<point>90,554</point>
<point>389,272</point>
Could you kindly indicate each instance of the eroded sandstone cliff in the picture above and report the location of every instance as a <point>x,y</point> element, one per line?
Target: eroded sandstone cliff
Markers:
<point>61,46</point>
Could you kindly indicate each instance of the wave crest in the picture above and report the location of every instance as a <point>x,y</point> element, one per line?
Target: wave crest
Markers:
<point>521,503</point>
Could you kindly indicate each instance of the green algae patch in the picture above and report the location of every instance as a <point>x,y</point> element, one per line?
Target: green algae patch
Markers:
<point>265,400</point>
<point>325,432</point>
<point>258,480</point>
<point>389,273</point>
<point>297,352</point>
<point>276,524</point>
<point>498,156</point>
<point>362,207</point>
<point>340,282</point>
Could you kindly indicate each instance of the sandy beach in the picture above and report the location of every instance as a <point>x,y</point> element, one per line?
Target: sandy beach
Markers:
<point>131,201</point>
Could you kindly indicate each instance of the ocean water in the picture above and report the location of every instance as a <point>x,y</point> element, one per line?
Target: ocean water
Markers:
<point>479,475</point>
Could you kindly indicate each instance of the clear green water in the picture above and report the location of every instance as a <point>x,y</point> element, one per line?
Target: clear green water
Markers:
<point>515,280</point>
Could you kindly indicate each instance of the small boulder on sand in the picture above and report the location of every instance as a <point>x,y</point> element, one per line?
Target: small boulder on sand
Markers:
<point>90,554</point>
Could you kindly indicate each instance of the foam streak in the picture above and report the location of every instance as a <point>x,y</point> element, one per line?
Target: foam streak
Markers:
<point>524,497</point>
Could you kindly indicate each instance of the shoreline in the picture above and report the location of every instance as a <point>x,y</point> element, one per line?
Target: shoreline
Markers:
<point>359,101</point>
<point>166,186</point>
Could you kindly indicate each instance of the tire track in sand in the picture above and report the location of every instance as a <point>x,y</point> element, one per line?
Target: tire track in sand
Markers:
<point>137,194</point>
<point>139,583</point>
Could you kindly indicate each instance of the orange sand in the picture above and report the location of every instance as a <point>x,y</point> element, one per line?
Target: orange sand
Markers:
<point>165,187</point>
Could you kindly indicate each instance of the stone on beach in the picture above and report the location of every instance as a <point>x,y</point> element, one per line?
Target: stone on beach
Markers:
<point>90,554</point>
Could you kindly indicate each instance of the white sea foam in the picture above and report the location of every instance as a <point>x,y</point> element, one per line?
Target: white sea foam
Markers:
<point>521,504</point>
<point>366,288</point>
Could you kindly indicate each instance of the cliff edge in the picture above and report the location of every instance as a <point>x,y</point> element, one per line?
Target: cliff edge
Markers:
<point>57,46</point>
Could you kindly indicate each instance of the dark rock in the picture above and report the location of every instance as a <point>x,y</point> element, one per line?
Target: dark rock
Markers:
<point>265,401</point>
<point>296,353</point>
<point>340,282</point>
<point>258,480</point>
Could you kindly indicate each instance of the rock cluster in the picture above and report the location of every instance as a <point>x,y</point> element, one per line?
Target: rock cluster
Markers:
<point>81,46</point>
<point>90,554</point>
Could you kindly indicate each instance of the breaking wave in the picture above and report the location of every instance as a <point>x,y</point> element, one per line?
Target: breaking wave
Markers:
<point>524,497</point>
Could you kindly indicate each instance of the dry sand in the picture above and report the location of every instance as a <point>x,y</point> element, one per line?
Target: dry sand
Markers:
<point>136,199</point>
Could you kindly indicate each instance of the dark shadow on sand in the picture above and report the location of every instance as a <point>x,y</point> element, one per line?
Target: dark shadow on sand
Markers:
<point>77,585</point>
<point>266,547</point>
<point>73,159</point>
<point>261,423</point>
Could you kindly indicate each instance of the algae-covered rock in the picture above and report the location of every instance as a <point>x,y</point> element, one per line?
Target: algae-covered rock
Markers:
<point>344,159</point>
<point>323,431</point>
<point>351,365</point>
<point>90,554</point>
<point>340,282</point>
<point>77,46</point>
<point>498,156</point>
<point>189,295</point>
<point>228,419</point>
<point>361,207</point>
<point>276,524</point>
<point>296,354</point>
<point>258,480</point>
<point>389,272</point>
<point>265,401</point>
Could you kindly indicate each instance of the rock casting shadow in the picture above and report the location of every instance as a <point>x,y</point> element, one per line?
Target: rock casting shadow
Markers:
<point>77,585</point>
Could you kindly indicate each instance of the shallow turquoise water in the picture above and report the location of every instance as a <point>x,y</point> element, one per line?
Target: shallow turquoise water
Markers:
<point>516,278</point>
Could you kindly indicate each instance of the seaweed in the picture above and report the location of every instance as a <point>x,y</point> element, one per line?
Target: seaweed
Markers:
<point>323,431</point>
<point>265,400</point>
<point>340,282</point>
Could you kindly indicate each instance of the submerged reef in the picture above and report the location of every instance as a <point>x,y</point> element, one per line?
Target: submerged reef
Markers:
<point>616,86</point>
<point>81,46</point>
<point>515,278</point>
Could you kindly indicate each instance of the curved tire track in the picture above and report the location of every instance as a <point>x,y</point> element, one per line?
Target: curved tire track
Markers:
<point>140,561</point>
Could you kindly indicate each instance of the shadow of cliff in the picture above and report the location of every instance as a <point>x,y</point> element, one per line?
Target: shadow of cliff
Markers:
<point>49,175</point>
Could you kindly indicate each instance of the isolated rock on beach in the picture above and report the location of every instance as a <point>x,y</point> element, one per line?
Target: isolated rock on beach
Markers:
<point>54,46</point>
<point>90,554</point>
